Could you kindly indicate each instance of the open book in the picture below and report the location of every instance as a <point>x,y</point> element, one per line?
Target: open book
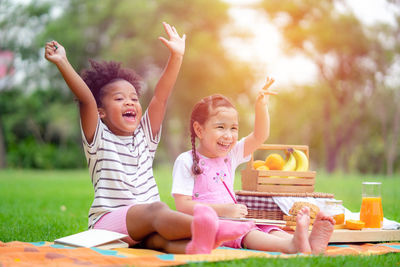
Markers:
<point>99,238</point>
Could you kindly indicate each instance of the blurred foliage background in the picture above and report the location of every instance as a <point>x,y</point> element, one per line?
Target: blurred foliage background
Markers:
<point>349,115</point>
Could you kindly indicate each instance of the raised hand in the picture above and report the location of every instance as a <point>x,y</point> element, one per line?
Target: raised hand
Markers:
<point>54,52</point>
<point>264,92</point>
<point>175,44</point>
<point>268,83</point>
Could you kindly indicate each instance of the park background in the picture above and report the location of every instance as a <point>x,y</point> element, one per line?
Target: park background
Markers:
<point>337,72</point>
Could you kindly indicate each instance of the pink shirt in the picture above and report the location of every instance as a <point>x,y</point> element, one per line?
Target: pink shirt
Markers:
<point>208,187</point>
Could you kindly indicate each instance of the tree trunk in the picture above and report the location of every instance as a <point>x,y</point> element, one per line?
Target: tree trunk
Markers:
<point>391,143</point>
<point>331,158</point>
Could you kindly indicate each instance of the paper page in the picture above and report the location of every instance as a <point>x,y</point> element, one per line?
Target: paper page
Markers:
<point>256,221</point>
<point>90,238</point>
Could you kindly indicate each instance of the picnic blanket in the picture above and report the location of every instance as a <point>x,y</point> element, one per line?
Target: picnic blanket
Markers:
<point>48,254</point>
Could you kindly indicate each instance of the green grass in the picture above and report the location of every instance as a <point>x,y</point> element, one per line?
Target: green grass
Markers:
<point>45,205</point>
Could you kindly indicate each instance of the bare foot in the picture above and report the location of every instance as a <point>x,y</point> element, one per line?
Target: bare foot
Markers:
<point>321,233</point>
<point>300,237</point>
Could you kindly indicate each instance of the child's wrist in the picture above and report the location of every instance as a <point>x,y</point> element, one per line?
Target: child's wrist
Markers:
<point>177,55</point>
<point>62,62</point>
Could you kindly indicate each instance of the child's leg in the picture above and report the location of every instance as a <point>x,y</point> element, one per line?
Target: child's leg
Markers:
<point>259,240</point>
<point>145,219</point>
<point>204,234</point>
<point>282,242</point>
<point>157,242</point>
<point>202,228</point>
<point>281,234</point>
<point>230,230</point>
<point>321,233</point>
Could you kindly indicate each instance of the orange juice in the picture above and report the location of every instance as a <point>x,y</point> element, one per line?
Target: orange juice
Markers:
<point>371,212</point>
<point>335,209</point>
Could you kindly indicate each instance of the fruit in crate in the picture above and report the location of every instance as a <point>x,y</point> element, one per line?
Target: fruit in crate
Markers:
<point>262,168</point>
<point>274,161</point>
<point>258,163</point>
<point>301,160</point>
<point>290,164</point>
<point>297,161</point>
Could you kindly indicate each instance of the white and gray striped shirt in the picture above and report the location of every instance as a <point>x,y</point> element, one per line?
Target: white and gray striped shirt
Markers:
<point>121,168</point>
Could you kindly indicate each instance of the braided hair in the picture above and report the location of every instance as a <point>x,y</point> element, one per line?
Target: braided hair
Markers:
<point>102,73</point>
<point>200,113</point>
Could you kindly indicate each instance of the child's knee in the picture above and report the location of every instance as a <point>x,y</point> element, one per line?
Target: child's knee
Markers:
<point>157,207</point>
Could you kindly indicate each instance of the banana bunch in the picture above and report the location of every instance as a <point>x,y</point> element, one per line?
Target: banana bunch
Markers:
<point>296,161</point>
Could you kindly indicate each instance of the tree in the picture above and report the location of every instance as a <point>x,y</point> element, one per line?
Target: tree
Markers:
<point>127,31</point>
<point>16,45</point>
<point>349,57</point>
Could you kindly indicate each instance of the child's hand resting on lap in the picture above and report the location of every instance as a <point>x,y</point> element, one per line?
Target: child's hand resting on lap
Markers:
<point>234,211</point>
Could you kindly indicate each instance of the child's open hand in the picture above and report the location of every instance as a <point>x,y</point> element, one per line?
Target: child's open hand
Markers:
<point>54,52</point>
<point>263,93</point>
<point>175,44</point>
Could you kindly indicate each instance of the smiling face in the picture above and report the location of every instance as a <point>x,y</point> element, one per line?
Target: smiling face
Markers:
<point>120,110</point>
<point>219,133</point>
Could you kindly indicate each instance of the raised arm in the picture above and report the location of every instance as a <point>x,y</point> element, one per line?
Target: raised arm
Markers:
<point>55,53</point>
<point>261,123</point>
<point>158,103</point>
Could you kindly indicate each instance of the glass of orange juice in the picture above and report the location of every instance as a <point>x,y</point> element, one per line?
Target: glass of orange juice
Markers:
<point>335,209</point>
<point>371,206</point>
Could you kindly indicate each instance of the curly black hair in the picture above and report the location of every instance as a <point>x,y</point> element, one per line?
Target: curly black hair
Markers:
<point>105,72</point>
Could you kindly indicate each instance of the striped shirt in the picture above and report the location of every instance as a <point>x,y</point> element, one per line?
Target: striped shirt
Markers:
<point>121,168</point>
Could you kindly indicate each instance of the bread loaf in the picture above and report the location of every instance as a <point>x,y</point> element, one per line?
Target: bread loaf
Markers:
<point>297,206</point>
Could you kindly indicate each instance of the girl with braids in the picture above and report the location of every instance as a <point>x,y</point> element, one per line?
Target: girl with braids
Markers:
<point>206,175</point>
<point>120,144</point>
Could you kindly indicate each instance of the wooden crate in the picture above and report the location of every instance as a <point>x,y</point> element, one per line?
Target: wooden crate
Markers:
<point>277,181</point>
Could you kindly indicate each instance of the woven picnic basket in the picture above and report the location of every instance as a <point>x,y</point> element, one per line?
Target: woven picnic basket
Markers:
<point>260,205</point>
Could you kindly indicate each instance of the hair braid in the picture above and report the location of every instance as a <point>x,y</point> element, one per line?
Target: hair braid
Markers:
<point>196,169</point>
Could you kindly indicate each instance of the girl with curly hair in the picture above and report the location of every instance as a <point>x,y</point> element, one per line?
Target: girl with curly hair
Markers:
<point>120,142</point>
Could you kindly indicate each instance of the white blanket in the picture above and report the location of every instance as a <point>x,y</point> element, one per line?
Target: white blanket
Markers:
<point>285,203</point>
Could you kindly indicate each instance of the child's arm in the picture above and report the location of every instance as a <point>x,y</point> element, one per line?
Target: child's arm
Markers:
<point>158,103</point>
<point>186,204</point>
<point>261,124</point>
<point>55,53</point>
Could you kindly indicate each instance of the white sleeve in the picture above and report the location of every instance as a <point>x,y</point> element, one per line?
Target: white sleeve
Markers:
<point>182,176</point>
<point>236,154</point>
<point>92,147</point>
<point>152,141</point>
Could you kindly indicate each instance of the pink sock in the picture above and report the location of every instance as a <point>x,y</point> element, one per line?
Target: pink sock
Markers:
<point>230,230</point>
<point>204,230</point>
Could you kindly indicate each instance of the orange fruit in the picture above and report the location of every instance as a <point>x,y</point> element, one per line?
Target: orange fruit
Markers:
<point>258,163</point>
<point>262,168</point>
<point>354,224</point>
<point>274,161</point>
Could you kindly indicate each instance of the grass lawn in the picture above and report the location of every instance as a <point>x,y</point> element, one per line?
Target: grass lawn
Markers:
<point>45,205</point>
